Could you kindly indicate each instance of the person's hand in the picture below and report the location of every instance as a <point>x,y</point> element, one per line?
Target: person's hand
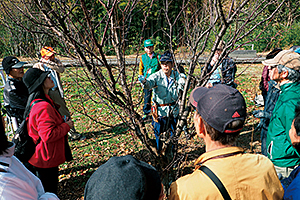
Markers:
<point>142,79</point>
<point>70,123</point>
<point>162,194</point>
<point>209,85</point>
<point>258,113</point>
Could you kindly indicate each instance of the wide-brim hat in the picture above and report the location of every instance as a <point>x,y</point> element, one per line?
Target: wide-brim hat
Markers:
<point>287,58</point>
<point>123,177</point>
<point>11,62</point>
<point>219,106</point>
<point>33,78</point>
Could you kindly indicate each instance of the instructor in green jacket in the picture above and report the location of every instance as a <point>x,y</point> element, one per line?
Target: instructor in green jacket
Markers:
<point>285,68</point>
<point>149,64</point>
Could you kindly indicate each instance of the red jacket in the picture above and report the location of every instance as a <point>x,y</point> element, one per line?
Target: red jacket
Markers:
<point>46,123</point>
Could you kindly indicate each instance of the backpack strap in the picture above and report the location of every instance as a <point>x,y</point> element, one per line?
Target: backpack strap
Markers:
<point>2,170</point>
<point>33,103</point>
<point>4,164</point>
<point>216,181</point>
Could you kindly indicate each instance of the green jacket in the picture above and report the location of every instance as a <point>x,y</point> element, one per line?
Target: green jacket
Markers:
<point>280,149</point>
<point>149,63</point>
<point>166,91</point>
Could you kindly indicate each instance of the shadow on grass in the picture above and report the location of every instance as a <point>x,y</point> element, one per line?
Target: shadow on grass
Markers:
<point>73,187</point>
<point>107,133</point>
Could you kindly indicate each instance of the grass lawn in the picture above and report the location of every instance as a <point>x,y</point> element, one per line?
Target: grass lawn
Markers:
<point>106,137</point>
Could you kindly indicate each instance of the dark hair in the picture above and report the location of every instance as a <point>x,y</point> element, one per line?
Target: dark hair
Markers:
<point>4,144</point>
<point>296,145</point>
<point>273,53</point>
<point>224,138</point>
<point>293,48</point>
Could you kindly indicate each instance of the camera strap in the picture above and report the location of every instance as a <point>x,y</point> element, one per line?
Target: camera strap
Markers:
<point>216,181</point>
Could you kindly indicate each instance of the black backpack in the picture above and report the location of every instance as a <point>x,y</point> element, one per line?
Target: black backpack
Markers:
<point>24,145</point>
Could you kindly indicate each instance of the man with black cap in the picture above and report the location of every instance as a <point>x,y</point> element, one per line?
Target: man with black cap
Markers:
<point>167,85</point>
<point>225,171</point>
<point>284,69</point>
<point>15,92</point>
<point>124,177</point>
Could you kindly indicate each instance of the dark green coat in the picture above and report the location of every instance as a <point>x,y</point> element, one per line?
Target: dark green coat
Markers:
<point>280,149</point>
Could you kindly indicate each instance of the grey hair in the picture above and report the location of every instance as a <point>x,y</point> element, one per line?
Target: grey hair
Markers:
<point>293,75</point>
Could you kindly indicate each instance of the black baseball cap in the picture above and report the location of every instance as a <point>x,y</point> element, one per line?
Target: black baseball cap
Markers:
<point>166,57</point>
<point>219,106</point>
<point>11,62</point>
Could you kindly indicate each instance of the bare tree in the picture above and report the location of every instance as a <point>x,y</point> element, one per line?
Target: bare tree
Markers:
<point>200,26</point>
<point>209,23</point>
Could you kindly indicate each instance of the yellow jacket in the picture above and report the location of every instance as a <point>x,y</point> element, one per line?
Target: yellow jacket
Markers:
<point>245,176</point>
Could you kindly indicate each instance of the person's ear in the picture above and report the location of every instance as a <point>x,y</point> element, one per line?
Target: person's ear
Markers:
<point>284,74</point>
<point>201,127</point>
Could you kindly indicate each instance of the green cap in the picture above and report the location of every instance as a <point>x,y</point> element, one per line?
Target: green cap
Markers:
<point>148,43</point>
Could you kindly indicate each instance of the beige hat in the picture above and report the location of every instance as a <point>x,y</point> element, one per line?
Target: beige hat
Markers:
<point>287,58</point>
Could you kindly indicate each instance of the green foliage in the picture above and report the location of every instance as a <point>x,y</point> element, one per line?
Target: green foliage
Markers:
<point>277,35</point>
<point>291,36</point>
<point>283,29</point>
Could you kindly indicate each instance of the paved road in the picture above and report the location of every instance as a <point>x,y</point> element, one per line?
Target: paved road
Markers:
<point>239,56</point>
<point>131,61</point>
